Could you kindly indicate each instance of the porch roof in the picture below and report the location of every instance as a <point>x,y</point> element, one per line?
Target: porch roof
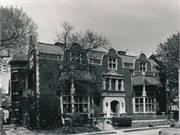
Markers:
<point>140,80</point>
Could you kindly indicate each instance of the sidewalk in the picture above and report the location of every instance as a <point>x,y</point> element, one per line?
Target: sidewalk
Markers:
<point>10,130</point>
<point>124,130</point>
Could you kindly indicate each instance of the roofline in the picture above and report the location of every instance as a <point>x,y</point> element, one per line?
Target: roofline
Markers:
<point>47,44</point>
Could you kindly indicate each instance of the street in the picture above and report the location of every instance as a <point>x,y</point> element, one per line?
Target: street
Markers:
<point>144,132</point>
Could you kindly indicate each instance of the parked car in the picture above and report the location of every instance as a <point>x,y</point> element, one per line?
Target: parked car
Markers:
<point>173,129</point>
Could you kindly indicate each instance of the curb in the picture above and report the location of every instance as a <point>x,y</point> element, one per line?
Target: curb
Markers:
<point>123,130</point>
<point>145,128</point>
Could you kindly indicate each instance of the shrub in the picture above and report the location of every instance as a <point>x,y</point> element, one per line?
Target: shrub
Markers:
<point>79,119</point>
<point>121,121</point>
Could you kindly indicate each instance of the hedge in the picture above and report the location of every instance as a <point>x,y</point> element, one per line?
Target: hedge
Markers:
<point>77,120</point>
<point>121,121</point>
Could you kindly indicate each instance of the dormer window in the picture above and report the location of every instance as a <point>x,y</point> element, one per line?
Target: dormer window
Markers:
<point>112,63</point>
<point>75,57</point>
<point>142,66</point>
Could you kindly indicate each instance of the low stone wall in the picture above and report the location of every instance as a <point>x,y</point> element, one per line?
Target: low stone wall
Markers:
<point>147,117</point>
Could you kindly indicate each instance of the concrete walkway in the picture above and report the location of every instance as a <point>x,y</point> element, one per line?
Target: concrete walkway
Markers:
<point>14,130</point>
<point>124,130</point>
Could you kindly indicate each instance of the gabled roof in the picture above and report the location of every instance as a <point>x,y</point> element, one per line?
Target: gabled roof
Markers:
<point>130,59</point>
<point>140,80</point>
<point>153,63</point>
<point>50,48</point>
<point>95,54</point>
<point>20,56</point>
<point>127,58</point>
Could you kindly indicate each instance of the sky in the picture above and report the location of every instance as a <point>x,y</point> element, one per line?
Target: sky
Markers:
<point>134,26</point>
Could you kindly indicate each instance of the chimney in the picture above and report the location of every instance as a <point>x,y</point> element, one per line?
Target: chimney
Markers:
<point>121,52</point>
<point>32,42</point>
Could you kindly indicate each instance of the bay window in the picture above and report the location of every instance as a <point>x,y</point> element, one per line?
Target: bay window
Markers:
<point>81,104</point>
<point>139,104</point>
<point>149,105</point>
<point>67,104</point>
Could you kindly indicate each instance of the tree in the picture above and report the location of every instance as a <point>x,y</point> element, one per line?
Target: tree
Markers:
<point>88,40</point>
<point>53,71</point>
<point>16,27</point>
<point>168,64</point>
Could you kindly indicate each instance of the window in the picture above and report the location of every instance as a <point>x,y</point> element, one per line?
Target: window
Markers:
<point>149,105</point>
<point>139,104</point>
<point>75,57</point>
<point>14,76</point>
<point>119,84</point>
<point>142,66</point>
<point>138,90</point>
<point>107,83</point>
<point>112,63</point>
<point>113,84</point>
<point>59,57</point>
<point>67,104</point>
<point>80,104</point>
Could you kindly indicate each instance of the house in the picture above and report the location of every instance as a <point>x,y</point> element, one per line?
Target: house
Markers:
<point>95,83</point>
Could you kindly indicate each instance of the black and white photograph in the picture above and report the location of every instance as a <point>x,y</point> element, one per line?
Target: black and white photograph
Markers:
<point>89,67</point>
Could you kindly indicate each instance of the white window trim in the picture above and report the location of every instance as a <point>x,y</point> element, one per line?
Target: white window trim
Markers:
<point>142,66</point>
<point>110,83</point>
<point>115,63</point>
<point>149,104</point>
<point>138,104</point>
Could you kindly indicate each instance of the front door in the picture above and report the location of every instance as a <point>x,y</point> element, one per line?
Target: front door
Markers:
<point>115,106</point>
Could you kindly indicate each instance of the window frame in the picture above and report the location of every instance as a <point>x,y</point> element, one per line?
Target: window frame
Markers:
<point>142,65</point>
<point>79,105</point>
<point>77,59</point>
<point>149,106</point>
<point>67,105</point>
<point>82,103</point>
<point>139,104</point>
<point>112,63</point>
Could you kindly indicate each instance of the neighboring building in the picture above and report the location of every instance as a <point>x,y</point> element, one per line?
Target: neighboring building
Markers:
<point>5,74</point>
<point>18,84</point>
<point>115,84</point>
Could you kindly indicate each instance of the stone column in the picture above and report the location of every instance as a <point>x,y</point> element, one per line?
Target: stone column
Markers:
<point>122,85</point>
<point>104,83</point>
<point>144,90</point>
<point>133,105</point>
<point>92,102</point>
<point>26,81</point>
<point>116,87</point>
<point>144,98</point>
<point>144,104</point>
<point>72,95</point>
<point>110,84</point>
<point>88,107</point>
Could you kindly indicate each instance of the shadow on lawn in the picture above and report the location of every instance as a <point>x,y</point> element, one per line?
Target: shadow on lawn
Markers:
<point>66,130</point>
